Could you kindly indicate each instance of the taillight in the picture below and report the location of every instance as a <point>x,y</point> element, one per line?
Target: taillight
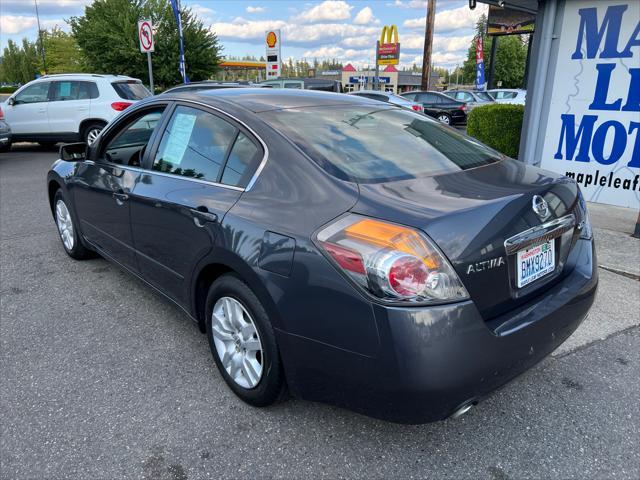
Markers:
<point>417,108</point>
<point>1,114</point>
<point>120,106</point>
<point>463,107</point>
<point>392,262</point>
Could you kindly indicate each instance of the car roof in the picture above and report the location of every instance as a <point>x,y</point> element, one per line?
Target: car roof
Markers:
<point>264,99</point>
<point>59,76</point>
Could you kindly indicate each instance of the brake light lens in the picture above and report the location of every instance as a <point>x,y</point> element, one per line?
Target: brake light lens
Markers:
<point>392,262</point>
<point>463,107</point>
<point>417,108</point>
<point>1,114</point>
<point>120,106</point>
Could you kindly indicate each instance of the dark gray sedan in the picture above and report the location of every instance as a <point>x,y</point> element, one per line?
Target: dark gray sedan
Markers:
<point>334,247</point>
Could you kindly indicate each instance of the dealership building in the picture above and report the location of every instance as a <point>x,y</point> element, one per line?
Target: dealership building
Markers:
<point>582,117</point>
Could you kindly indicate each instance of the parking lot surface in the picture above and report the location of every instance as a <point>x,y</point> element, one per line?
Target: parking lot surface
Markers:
<point>103,378</point>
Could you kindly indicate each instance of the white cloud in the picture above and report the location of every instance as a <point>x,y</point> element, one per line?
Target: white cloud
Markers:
<point>204,13</point>
<point>448,44</point>
<point>408,4</point>
<point>448,20</point>
<point>329,10</point>
<point>14,24</point>
<point>251,9</point>
<point>364,17</point>
<point>48,24</point>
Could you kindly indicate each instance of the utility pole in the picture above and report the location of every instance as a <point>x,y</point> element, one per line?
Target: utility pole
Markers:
<point>44,62</point>
<point>428,44</point>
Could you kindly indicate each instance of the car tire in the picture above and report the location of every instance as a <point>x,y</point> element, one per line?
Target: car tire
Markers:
<point>47,144</point>
<point>91,132</point>
<point>5,147</point>
<point>444,118</point>
<point>243,342</point>
<point>67,228</point>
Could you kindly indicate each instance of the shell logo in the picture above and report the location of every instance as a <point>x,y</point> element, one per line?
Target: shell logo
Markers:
<point>272,39</point>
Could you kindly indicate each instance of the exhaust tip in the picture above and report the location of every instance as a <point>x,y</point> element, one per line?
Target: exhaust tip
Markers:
<point>464,409</point>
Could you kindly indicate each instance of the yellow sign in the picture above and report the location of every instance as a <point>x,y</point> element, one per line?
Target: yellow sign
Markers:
<point>388,52</point>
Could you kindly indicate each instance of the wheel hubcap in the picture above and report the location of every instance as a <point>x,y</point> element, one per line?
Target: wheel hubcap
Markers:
<point>65,224</point>
<point>92,135</point>
<point>444,119</point>
<point>237,342</point>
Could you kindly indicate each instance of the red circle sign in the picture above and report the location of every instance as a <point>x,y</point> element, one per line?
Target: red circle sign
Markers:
<point>146,36</point>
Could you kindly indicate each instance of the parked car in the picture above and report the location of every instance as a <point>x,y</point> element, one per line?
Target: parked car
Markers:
<point>439,106</point>
<point>389,97</point>
<point>472,98</point>
<point>5,134</point>
<point>369,255</point>
<point>210,85</point>
<point>509,95</point>
<point>322,84</point>
<point>69,107</point>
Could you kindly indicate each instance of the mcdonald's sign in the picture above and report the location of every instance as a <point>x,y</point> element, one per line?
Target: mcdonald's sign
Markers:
<point>388,52</point>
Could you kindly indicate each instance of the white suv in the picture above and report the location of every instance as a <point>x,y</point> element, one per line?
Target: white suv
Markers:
<point>69,107</point>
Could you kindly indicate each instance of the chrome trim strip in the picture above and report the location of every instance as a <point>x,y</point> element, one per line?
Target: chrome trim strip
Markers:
<point>540,233</point>
<point>265,157</point>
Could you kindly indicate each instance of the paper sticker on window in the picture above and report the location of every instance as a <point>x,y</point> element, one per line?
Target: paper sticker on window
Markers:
<point>179,135</point>
<point>64,89</point>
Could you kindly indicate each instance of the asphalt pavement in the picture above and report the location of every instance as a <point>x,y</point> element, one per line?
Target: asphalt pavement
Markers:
<point>101,378</point>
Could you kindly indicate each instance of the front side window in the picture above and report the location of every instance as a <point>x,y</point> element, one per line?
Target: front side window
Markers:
<point>378,144</point>
<point>195,144</point>
<point>128,144</point>
<point>73,90</point>
<point>38,92</point>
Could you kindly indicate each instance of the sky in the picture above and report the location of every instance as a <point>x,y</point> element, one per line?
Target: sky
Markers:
<point>343,29</point>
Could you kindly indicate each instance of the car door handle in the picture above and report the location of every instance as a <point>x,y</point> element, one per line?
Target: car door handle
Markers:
<point>201,216</point>
<point>120,197</point>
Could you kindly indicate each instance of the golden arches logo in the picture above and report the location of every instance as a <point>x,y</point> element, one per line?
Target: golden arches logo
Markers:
<point>391,33</point>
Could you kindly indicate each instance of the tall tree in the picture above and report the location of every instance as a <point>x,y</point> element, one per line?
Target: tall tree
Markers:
<point>62,52</point>
<point>20,63</point>
<point>107,35</point>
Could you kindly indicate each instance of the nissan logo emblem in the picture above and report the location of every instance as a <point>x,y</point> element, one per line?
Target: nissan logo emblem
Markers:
<point>541,207</point>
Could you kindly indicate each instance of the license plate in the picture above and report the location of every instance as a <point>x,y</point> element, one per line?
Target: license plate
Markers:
<point>535,262</point>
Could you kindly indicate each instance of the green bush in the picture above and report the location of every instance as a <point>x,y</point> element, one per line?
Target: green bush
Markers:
<point>8,89</point>
<point>497,125</point>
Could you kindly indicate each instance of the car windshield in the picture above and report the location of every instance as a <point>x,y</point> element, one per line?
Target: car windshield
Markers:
<point>373,144</point>
<point>484,96</point>
<point>131,90</point>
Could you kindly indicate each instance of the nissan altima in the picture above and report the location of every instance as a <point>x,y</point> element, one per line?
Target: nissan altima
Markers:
<point>333,247</point>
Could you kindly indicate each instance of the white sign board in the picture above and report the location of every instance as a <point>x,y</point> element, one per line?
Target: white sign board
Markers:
<point>145,34</point>
<point>593,127</point>
<point>272,42</point>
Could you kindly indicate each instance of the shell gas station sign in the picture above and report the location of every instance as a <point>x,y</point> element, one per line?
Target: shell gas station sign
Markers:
<point>272,42</point>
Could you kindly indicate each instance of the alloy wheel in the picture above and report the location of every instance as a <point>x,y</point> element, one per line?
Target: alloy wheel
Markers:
<point>444,119</point>
<point>237,342</point>
<point>92,135</point>
<point>65,225</point>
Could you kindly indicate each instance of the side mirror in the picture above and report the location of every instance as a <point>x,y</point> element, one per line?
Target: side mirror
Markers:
<point>73,152</point>
<point>11,102</point>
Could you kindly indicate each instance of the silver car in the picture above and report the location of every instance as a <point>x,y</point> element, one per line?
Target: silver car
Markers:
<point>473,98</point>
<point>389,97</point>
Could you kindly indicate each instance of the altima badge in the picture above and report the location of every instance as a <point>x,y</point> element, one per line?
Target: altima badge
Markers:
<point>541,207</point>
<point>485,265</point>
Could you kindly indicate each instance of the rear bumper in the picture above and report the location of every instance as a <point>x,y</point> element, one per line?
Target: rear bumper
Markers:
<point>433,360</point>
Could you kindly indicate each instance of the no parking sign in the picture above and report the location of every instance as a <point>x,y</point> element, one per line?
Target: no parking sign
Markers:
<point>145,33</point>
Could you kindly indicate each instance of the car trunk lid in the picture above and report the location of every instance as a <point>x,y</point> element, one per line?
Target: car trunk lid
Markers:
<point>471,214</point>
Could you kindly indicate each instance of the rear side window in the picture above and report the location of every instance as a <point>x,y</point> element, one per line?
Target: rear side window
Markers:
<point>370,145</point>
<point>484,96</point>
<point>73,90</point>
<point>131,90</point>
<point>195,144</point>
<point>242,162</point>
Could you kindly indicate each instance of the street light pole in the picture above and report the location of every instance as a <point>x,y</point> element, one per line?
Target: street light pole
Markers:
<point>44,61</point>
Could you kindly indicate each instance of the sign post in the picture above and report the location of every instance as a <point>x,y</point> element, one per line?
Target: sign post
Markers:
<point>272,41</point>
<point>145,34</point>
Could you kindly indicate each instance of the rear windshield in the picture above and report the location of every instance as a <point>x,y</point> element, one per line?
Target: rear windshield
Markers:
<point>373,144</point>
<point>131,90</point>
